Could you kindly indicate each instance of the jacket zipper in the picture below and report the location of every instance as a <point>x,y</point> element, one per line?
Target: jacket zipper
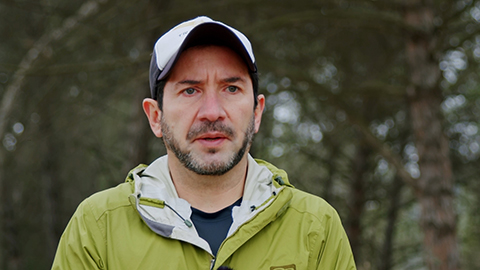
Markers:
<point>212,263</point>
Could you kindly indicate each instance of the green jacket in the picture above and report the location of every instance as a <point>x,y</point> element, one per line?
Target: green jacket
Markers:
<point>142,224</point>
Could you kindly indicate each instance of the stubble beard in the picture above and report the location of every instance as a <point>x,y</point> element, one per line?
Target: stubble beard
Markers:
<point>194,164</point>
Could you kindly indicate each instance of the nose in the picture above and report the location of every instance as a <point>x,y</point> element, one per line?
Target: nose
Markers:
<point>212,108</point>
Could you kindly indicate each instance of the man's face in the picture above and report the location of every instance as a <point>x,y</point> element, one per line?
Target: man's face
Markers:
<point>208,118</point>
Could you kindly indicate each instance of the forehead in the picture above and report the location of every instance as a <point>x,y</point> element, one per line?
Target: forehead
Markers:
<point>203,58</point>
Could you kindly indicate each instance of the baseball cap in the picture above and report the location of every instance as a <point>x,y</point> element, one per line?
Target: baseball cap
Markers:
<point>199,31</point>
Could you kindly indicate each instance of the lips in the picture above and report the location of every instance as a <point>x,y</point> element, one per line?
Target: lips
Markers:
<point>211,138</point>
<point>212,135</point>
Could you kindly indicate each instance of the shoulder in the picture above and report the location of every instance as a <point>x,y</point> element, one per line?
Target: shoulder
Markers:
<point>313,206</point>
<point>308,202</point>
<point>106,201</point>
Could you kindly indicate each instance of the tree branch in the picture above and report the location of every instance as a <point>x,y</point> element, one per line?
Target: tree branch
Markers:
<point>26,64</point>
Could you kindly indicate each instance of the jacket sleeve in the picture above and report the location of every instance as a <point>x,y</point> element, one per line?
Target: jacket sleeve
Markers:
<point>335,251</point>
<point>82,243</point>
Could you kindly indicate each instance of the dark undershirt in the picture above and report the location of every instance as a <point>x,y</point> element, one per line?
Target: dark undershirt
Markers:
<point>213,227</point>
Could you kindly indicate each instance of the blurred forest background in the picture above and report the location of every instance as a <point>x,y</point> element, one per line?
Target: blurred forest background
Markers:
<point>372,104</point>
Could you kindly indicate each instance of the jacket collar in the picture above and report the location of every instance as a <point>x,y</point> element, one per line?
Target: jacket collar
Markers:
<point>157,201</point>
<point>157,182</point>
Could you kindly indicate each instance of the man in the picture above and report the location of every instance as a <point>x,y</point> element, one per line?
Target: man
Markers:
<point>207,204</point>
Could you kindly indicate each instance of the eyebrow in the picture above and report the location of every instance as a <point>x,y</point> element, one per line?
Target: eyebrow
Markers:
<point>189,82</point>
<point>227,80</point>
<point>233,79</point>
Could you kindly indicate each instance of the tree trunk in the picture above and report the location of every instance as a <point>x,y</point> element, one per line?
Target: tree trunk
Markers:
<point>50,186</point>
<point>331,166</point>
<point>11,245</point>
<point>2,210</point>
<point>357,198</point>
<point>435,185</point>
<point>385,261</point>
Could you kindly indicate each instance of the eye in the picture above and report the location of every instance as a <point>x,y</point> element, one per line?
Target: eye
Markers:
<point>189,91</point>
<point>232,89</point>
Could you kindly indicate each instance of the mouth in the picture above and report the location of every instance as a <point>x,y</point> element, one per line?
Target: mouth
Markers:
<point>211,139</point>
<point>211,136</point>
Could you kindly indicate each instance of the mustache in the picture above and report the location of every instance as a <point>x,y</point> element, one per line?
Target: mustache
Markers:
<point>208,126</point>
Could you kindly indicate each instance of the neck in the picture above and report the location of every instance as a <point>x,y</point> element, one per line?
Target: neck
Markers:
<point>209,193</point>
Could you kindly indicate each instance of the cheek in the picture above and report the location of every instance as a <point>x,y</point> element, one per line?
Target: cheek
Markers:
<point>179,120</point>
<point>244,119</point>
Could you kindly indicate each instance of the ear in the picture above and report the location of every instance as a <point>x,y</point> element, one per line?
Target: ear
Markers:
<point>154,115</point>
<point>259,111</point>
